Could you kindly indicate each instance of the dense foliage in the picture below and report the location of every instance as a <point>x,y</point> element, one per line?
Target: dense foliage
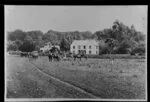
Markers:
<point>119,39</point>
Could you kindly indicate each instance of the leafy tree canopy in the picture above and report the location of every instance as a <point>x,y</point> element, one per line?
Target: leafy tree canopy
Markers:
<point>119,36</point>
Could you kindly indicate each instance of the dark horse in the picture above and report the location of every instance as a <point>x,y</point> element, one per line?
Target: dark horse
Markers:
<point>79,56</point>
<point>54,56</point>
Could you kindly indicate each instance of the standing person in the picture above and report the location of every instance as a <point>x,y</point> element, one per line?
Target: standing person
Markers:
<point>50,56</point>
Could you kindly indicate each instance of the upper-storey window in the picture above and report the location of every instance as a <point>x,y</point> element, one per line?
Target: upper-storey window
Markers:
<point>73,47</point>
<point>84,47</point>
<point>90,47</point>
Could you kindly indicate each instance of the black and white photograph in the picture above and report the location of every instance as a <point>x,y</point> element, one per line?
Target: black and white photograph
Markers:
<point>75,52</point>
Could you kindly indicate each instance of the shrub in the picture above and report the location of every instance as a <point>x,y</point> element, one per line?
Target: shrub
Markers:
<point>12,47</point>
<point>139,51</point>
<point>27,47</point>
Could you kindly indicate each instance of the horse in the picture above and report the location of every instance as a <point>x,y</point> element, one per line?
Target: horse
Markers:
<point>24,54</point>
<point>75,56</point>
<point>54,56</point>
<point>57,57</point>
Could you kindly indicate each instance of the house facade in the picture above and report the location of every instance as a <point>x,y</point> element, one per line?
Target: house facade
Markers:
<point>85,46</point>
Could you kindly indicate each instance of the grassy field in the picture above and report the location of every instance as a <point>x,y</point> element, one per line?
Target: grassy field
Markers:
<point>124,79</point>
<point>116,56</point>
<point>25,81</point>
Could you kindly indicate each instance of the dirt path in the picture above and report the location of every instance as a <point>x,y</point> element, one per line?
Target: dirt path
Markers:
<point>26,81</point>
<point>69,85</point>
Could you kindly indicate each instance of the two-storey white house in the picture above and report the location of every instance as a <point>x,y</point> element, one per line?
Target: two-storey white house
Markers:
<point>85,46</point>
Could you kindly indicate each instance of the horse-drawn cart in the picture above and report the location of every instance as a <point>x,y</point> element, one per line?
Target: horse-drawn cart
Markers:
<point>34,54</point>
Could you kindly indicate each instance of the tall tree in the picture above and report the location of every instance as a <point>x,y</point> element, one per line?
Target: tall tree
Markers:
<point>28,39</point>
<point>11,46</point>
<point>64,45</point>
<point>16,35</point>
<point>51,36</point>
<point>27,47</point>
<point>112,45</point>
<point>35,34</point>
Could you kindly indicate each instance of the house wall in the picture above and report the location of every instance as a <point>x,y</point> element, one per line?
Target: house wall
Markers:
<point>93,49</point>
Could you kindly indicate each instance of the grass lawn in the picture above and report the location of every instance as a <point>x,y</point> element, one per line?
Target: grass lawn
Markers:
<point>25,81</point>
<point>124,79</point>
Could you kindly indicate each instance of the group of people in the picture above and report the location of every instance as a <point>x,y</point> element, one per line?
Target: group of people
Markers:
<point>57,56</point>
<point>54,56</point>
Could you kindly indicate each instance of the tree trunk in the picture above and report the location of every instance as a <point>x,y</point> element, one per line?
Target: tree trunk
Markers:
<point>110,57</point>
<point>111,60</point>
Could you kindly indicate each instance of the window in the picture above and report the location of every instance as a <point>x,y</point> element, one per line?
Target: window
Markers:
<point>96,52</point>
<point>79,46</point>
<point>73,47</point>
<point>84,47</point>
<point>90,52</point>
<point>90,47</point>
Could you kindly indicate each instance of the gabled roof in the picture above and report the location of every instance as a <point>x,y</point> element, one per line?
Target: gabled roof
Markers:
<point>85,42</point>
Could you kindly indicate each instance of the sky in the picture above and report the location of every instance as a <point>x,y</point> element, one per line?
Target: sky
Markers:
<point>72,18</point>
